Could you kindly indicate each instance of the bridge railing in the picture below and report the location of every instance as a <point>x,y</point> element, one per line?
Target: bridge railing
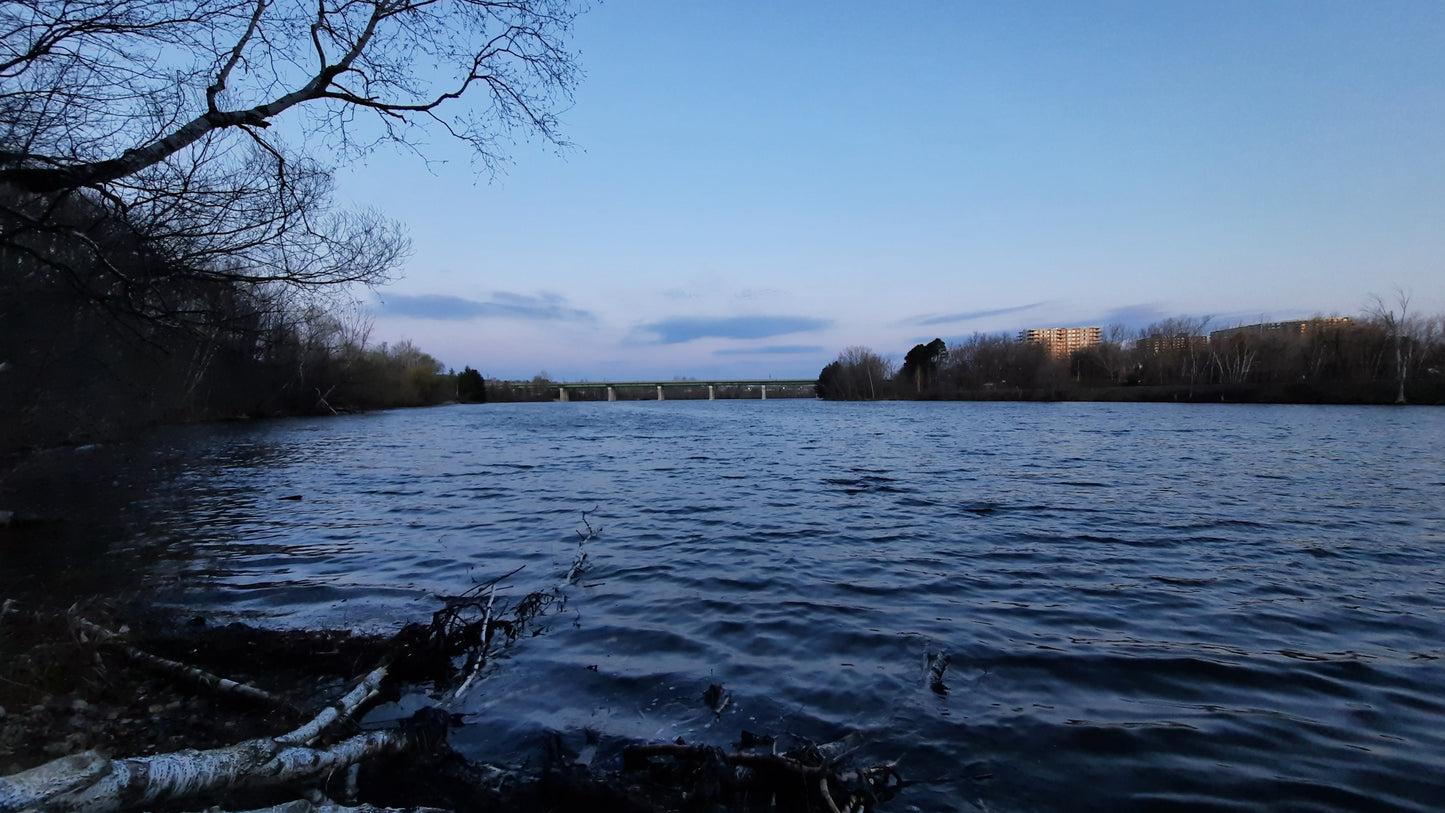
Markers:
<point>728,387</point>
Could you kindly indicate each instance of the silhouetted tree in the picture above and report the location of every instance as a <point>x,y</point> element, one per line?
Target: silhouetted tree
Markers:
<point>859,374</point>
<point>920,365</point>
<point>471,388</point>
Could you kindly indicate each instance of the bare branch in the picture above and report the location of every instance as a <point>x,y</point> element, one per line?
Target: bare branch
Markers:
<point>219,85</point>
<point>65,112</point>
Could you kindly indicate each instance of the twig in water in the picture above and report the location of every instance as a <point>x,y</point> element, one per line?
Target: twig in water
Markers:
<point>591,532</point>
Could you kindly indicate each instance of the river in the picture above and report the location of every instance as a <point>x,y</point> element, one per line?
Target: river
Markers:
<point>1146,606</point>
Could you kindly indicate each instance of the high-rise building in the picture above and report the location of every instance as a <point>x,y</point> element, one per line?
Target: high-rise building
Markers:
<point>1297,327</point>
<point>1166,344</point>
<point>1061,341</point>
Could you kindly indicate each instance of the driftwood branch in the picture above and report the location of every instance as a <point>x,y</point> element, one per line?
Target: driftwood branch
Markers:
<point>451,654</point>
<point>479,655</point>
<point>304,806</point>
<point>90,783</point>
<point>367,690</point>
<point>177,669</point>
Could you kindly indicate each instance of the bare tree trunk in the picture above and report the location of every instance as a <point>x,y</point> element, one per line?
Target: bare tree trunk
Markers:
<point>1398,327</point>
<point>1399,369</point>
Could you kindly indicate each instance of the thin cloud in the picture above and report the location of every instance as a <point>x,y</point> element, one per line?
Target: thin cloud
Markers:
<point>502,305</point>
<point>685,329</point>
<point>776,349</point>
<point>926,321</point>
<point>750,294</point>
<point>1135,316</point>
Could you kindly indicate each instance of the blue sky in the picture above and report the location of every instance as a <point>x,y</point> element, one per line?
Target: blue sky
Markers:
<point>755,186</point>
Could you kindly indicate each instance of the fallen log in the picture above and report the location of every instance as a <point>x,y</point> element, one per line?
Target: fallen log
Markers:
<point>212,682</point>
<point>305,806</point>
<point>90,783</point>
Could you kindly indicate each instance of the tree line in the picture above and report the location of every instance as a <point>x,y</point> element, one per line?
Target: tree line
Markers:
<point>1388,355</point>
<point>167,254</point>
<point>101,335</point>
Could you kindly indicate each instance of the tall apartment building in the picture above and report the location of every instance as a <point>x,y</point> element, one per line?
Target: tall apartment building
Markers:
<point>1297,327</point>
<point>1166,344</point>
<point>1061,341</point>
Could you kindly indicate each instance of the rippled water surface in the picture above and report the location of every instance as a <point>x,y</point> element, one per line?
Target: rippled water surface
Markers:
<point>1146,606</point>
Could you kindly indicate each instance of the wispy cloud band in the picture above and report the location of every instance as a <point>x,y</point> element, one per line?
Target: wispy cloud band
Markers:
<point>685,329</point>
<point>966,316</point>
<point>503,305</point>
<point>771,350</point>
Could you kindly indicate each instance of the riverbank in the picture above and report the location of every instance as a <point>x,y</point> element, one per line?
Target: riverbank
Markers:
<point>72,694</point>
<point>62,696</point>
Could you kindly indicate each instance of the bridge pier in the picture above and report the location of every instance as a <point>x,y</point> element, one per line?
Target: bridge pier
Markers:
<point>659,392</point>
<point>611,394</point>
<point>711,394</point>
<point>562,394</point>
<point>764,388</point>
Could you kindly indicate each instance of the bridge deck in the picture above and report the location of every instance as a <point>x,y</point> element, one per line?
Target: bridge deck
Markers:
<point>712,386</point>
<point>754,382</point>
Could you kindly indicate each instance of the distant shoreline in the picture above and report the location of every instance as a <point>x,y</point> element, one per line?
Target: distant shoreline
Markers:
<point>1424,394</point>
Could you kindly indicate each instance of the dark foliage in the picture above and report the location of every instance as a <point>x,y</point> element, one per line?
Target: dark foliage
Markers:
<point>102,333</point>
<point>920,365</point>
<point>471,388</point>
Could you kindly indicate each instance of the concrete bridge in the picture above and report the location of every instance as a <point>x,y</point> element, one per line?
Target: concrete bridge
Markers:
<point>613,386</point>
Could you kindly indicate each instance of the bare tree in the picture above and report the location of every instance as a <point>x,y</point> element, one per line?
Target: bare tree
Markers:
<point>153,243</point>
<point>1399,329</point>
<point>97,90</point>
<point>859,374</point>
<point>161,112</point>
<point>1176,346</point>
<point>869,369</point>
<point>1112,351</point>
